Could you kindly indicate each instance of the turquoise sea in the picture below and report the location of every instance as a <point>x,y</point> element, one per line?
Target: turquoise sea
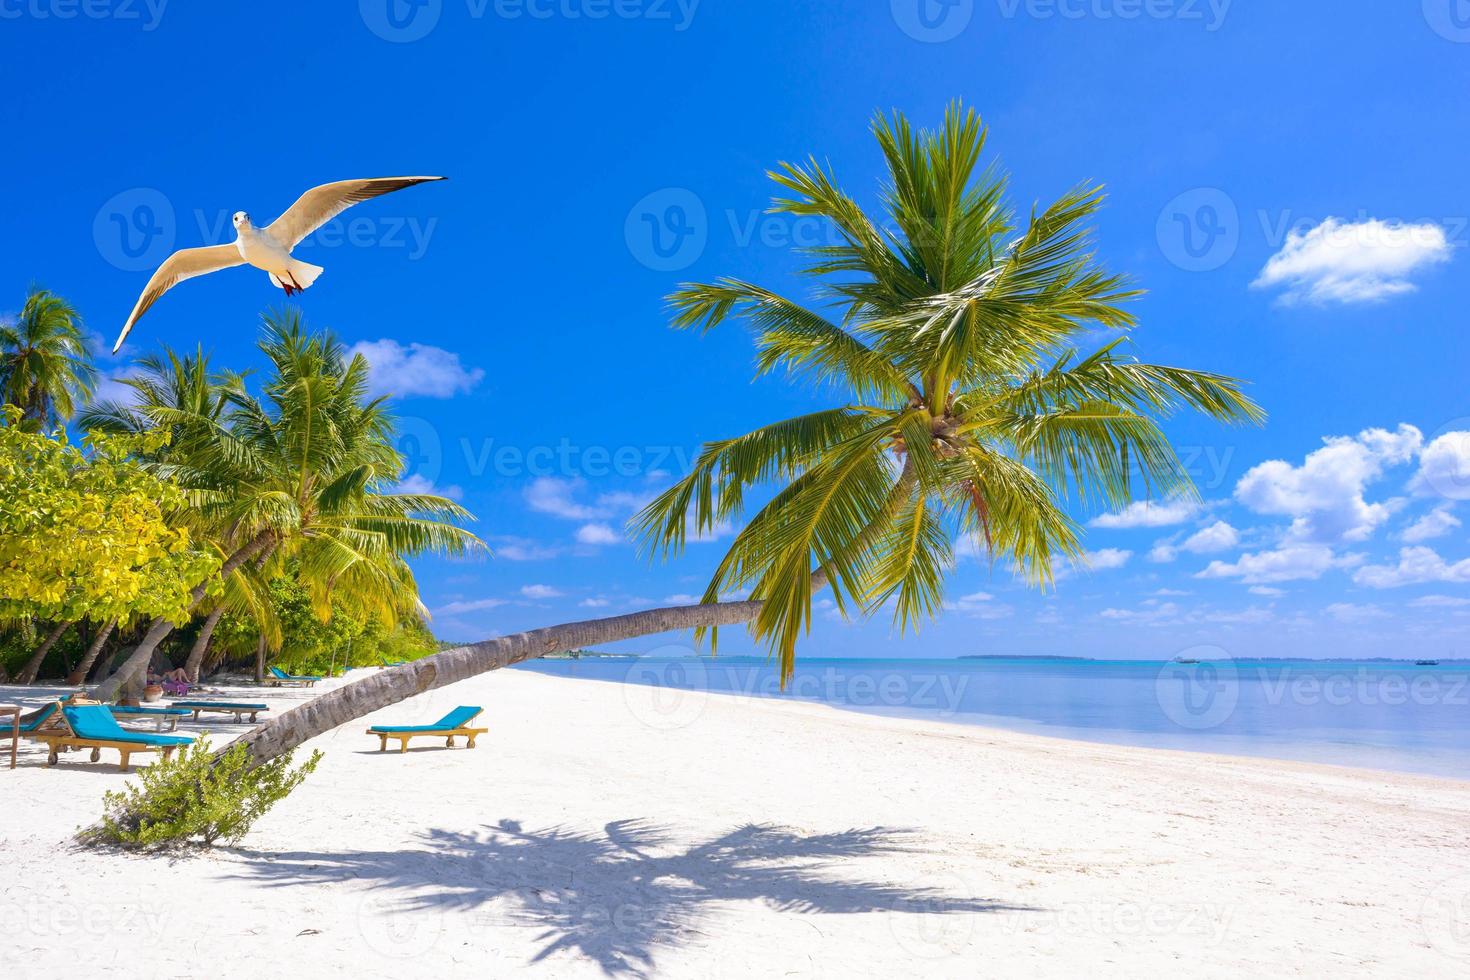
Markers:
<point>1389,715</point>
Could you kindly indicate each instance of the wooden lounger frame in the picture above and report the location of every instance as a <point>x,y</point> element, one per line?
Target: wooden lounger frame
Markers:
<point>448,734</point>
<point>62,738</point>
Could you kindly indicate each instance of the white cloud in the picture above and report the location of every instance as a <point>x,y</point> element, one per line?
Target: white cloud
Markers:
<point>1171,592</point>
<point>597,534</point>
<point>541,592</point>
<point>682,599</point>
<point>1266,590</point>
<point>560,498</point>
<point>1251,614</point>
<point>979,605</point>
<point>1144,513</point>
<point>419,484</point>
<point>522,549</point>
<point>1435,524</point>
<point>1416,564</point>
<point>1105,558</point>
<point>1444,468</point>
<point>1353,262</point>
<point>1324,495</point>
<point>1163,552</point>
<point>1217,537</point>
<point>1347,612</point>
<point>473,606</point>
<point>1286,564</point>
<point>1440,602</point>
<point>1157,615</point>
<point>416,369</point>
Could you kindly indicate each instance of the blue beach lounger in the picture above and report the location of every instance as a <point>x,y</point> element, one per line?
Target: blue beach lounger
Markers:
<point>447,727</point>
<point>41,720</point>
<point>279,677</point>
<point>236,708</point>
<point>92,726</point>
<point>163,716</point>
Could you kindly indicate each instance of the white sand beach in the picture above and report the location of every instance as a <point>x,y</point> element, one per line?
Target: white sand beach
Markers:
<point>602,829</point>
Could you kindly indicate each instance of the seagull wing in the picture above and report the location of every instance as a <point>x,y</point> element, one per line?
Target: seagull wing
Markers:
<point>321,204</point>
<point>186,263</point>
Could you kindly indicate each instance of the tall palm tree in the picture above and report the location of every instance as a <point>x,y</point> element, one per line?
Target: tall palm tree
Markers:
<point>962,407</point>
<point>45,366</point>
<point>297,474</point>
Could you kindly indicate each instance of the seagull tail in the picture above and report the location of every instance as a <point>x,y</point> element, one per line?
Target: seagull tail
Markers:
<point>299,275</point>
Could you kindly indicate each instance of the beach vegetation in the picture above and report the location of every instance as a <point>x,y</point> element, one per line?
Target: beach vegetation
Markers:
<point>196,798</point>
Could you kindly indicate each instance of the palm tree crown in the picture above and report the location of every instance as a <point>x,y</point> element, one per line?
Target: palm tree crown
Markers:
<point>305,466</point>
<point>45,367</point>
<point>953,333</point>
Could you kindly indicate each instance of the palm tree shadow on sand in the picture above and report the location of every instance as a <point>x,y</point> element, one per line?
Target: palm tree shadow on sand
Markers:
<point>616,896</point>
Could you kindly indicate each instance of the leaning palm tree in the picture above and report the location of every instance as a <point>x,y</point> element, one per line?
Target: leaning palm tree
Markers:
<point>45,366</point>
<point>961,406</point>
<point>297,474</point>
<point>966,404</point>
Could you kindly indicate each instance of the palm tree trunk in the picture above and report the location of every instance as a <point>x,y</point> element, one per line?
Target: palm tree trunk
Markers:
<point>195,663</point>
<point>79,675</point>
<point>260,659</point>
<point>385,687</point>
<point>33,666</point>
<point>160,628</point>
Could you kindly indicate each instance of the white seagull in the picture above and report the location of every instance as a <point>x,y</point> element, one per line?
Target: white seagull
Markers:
<point>268,248</point>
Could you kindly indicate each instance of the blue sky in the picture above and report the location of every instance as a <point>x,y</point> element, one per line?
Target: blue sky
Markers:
<point>1286,181</point>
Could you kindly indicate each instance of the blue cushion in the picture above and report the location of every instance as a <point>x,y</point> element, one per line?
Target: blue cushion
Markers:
<point>457,718</point>
<point>95,722</point>
<point>121,709</point>
<point>34,723</point>
<point>242,705</point>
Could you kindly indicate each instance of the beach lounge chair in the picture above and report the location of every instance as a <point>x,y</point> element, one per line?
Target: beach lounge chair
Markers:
<point>92,726</point>
<point>279,677</point>
<point>237,708</point>
<point>447,727</point>
<point>44,718</point>
<point>162,716</point>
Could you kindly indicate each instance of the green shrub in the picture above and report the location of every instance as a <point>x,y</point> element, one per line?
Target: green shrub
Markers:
<point>196,799</point>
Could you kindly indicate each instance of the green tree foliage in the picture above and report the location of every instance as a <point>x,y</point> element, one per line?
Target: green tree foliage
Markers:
<point>348,637</point>
<point>90,532</point>
<point>45,367</point>
<point>952,338</point>
<point>196,798</point>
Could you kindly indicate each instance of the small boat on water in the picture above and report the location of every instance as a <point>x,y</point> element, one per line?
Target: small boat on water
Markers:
<point>1426,663</point>
<point>1185,660</point>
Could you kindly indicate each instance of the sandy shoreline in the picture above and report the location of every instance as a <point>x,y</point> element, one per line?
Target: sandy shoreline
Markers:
<point>604,828</point>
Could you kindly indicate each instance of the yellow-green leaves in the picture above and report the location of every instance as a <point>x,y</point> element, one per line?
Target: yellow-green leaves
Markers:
<point>90,533</point>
